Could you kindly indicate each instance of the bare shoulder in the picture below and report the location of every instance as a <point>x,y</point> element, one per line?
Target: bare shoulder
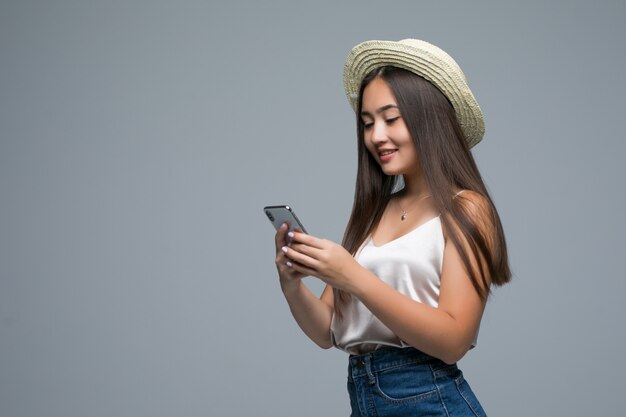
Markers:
<point>474,204</point>
<point>479,211</point>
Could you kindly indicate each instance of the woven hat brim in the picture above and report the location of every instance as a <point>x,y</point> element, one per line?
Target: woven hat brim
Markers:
<point>425,60</point>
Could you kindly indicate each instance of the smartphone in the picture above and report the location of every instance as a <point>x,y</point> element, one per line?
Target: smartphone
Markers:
<point>283,214</point>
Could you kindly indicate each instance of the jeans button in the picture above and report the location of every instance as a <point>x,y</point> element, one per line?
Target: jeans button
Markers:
<point>360,364</point>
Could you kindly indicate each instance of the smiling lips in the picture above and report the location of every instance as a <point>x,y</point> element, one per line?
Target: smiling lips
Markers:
<point>386,154</point>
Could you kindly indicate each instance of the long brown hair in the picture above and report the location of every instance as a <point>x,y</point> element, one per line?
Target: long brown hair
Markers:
<point>447,164</point>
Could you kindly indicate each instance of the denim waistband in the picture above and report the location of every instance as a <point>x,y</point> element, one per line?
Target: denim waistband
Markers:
<point>387,358</point>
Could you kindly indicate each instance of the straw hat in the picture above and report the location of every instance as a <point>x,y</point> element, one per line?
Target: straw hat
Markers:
<point>425,60</point>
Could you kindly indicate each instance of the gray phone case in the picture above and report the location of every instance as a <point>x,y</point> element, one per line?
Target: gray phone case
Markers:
<point>283,214</point>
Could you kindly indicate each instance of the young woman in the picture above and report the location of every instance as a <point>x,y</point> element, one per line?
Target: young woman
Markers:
<point>424,244</point>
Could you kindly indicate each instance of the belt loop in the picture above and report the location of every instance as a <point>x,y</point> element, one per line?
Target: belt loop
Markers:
<point>368,368</point>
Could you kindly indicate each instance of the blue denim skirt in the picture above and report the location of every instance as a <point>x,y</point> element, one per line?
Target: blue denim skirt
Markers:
<point>406,382</point>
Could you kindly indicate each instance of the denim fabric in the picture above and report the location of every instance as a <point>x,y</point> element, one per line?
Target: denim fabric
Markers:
<point>406,382</point>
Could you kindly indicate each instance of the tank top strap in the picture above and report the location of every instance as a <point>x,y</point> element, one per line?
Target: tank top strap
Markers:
<point>453,197</point>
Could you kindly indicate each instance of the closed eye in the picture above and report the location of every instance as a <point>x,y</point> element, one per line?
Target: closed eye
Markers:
<point>389,122</point>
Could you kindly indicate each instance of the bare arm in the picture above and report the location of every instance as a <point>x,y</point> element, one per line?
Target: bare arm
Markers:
<point>312,314</point>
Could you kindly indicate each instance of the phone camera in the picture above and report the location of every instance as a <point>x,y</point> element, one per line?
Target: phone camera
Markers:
<point>269,215</point>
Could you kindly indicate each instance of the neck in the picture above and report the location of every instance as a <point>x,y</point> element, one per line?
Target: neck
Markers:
<point>415,186</point>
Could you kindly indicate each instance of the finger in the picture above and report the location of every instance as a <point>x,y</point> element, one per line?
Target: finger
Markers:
<point>284,266</point>
<point>281,260</point>
<point>290,272</point>
<point>280,237</point>
<point>303,270</point>
<point>306,249</point>
<point>294,255</point>
<point>307,239</point>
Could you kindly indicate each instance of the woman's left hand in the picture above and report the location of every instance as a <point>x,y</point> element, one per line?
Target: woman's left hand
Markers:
<point>321,258</point>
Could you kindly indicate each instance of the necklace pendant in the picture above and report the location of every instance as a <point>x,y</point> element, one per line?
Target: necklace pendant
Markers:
<point>403,217</point>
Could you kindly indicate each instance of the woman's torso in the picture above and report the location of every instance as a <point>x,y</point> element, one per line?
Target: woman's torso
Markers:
<point>411,263</point>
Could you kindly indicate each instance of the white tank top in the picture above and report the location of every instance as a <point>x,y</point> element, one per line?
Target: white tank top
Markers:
<point>412,265</point>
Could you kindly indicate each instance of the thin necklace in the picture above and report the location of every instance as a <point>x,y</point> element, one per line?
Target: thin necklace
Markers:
<point>404,212</point>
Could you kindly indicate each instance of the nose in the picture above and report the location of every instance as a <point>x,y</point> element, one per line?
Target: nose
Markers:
<point>379,132</point>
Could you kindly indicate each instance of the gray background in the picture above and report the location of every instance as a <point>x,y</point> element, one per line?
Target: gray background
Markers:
<point>139,141</point>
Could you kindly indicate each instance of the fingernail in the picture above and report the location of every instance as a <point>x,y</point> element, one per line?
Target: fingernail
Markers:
<point>289,264</point>
<point>282,226</point>
<point>290,234</point>
<point>285,249</point>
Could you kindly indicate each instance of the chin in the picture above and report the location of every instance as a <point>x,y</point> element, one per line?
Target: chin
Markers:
<point>391,172</point>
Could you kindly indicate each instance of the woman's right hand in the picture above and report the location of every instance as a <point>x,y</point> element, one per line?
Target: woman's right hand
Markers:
<point>289,277</point>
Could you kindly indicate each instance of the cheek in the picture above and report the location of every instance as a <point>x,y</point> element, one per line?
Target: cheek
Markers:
<point>405,138</point>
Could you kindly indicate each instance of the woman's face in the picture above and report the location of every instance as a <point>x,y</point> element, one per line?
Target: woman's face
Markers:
<point>386,135</point>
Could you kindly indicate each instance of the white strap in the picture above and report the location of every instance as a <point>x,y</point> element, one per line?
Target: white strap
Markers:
<point>457,194</point>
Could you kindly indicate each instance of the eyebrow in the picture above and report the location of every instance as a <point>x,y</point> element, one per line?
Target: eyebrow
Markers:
<point>380,110</point>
